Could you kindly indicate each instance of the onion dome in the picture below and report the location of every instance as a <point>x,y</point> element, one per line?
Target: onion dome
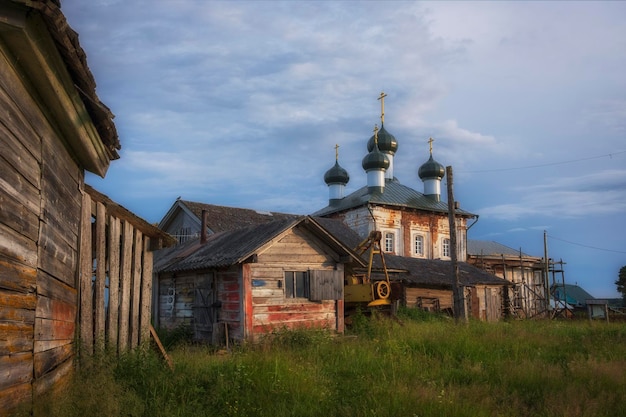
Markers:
<point>336,175</point>
<point>431,169</point>
<point>386,141</point>
<point>375,160</point>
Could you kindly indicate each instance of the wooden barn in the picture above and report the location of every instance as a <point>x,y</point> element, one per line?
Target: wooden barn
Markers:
<point>54,230</point>
<point>241,284</point>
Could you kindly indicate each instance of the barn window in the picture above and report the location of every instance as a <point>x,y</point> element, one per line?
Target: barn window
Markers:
<point>418,245</point>
<point>445,248</point>
<point>296,284</point>
<point>389,242</point>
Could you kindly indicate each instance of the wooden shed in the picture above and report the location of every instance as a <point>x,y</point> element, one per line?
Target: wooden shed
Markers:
<point>53,127</point>
<point>244,283</point>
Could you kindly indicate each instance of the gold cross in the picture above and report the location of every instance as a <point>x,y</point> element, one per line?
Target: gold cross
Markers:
<point>430,142</point>
<point>382,106</point>
<point>336,152</point>
<point>376,135</point>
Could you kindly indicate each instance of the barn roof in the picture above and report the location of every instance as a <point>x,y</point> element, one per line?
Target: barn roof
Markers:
<point>223,218</point>
<point>74,58</point>
<point>234,246</point>
<point>394,194</point>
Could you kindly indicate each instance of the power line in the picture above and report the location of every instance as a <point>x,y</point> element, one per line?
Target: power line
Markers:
<point>608,155</point>
<point>586,246</point>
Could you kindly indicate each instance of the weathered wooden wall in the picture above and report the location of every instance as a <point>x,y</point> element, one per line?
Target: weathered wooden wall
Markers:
<point>115,278</point>
<point>296,251</point>
<point>414,294</point>
<point>40,206</point>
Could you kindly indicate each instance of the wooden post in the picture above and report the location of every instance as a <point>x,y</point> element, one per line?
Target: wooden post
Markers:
<point>546,271</point>
<point>458,292</point>
<point>135,310</point>
<point>125,283</point>
<point>146,292</point>
<point>86,267</point>
<point>100,284</point>
<point>114,281</point>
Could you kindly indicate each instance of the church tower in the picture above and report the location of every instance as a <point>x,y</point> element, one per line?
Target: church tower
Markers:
<point>431,173</point>
<point>336,178</point>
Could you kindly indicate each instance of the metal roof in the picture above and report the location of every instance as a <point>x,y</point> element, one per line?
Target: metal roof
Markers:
<point>394,194</point>
<point>490,248</point>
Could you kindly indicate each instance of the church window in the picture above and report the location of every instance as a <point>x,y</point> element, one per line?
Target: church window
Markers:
<point>445,248</point>
<point>389,242</point>
<point>418,245</point>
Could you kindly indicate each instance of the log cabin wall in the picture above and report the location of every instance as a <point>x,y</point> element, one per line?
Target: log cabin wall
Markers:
<point>39,222</point>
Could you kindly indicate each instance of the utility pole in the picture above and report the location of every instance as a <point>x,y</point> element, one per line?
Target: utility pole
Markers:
<point>547,271</point>
<point>458,291</point>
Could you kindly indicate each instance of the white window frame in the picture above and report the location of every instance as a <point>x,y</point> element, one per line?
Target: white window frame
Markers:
<point>389,244</point>
<point>445,247</point>
<point>422,240</point>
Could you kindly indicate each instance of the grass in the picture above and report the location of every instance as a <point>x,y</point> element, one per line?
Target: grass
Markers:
<point>422,366</point>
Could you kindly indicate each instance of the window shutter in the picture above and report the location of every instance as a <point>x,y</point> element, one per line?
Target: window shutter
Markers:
<point>326,285</point>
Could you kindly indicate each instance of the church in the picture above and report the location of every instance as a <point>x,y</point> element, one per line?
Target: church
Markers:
<point>413,224</point>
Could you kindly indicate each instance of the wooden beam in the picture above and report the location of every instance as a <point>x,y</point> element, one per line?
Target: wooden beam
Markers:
<point>86,306</point>
<point>100,283</point>
<point>146,292</point>
<point>114,280</point>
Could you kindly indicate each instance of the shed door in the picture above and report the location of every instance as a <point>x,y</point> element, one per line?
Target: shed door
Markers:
<point>204,307</point>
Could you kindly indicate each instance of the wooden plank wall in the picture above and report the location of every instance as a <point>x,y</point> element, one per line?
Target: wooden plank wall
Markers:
<point>115,280</point>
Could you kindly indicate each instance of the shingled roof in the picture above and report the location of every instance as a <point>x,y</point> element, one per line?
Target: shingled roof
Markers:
<point>234,246</point>
<point>223,218</point>
<point>394,194</point>
<point>75,59</point>
<point>490,248</point>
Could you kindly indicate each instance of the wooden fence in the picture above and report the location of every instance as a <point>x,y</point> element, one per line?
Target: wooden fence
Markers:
<point>115,275</point>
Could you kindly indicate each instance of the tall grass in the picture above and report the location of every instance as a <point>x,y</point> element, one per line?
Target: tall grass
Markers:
<point>416,366</point>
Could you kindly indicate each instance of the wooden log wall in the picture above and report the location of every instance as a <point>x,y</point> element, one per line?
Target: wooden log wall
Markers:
<point>115,279</point>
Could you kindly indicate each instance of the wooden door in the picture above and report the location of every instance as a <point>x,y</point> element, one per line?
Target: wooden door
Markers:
<point>204,307</point>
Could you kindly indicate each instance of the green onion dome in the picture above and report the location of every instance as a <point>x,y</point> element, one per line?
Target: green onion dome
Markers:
<point>386,141</point>
<point>336,175</point>
<point>375,160</point>
<point>431,169</point>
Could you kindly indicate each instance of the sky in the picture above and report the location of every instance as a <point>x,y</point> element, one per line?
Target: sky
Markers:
<point>241,103</point>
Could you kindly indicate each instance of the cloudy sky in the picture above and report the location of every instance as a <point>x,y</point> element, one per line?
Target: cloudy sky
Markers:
<point>241,103</point>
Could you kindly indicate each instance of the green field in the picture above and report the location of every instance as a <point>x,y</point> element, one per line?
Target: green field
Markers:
<point>421,365</point>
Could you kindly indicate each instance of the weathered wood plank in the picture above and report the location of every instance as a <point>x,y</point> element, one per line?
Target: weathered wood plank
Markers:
<point>43,345</point>
<point>18,247</point>
<point>126,276</point>
<point>48,308</point>
<point>16,306</point>
<point>15,337</point>
<point>12,397</point>
<point>47,360</point>
<point>47,329</point>
<point>17,277</point>
<point>100,283</point>
<point>55,381</point>
<point>18,217</point>
<point>15,369</point>
<point>49,286</point>
<point>56,256</point>
<point>135,307</point>
<point>85,274</point>
<point>114,280</point>
<point>25,111</point>
<point>146,292</point>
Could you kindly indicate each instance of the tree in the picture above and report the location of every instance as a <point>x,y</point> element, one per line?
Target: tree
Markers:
<point>621,283</point>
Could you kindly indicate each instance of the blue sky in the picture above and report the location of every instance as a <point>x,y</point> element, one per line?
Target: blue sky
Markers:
<point>240,103</point>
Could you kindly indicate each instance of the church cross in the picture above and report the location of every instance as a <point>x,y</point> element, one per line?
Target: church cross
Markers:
<point>430,142</point>
<point>382,106</point>
<point>336,152</point>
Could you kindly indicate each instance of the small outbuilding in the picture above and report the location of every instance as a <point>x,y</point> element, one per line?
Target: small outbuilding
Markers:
<point>239,285</point>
